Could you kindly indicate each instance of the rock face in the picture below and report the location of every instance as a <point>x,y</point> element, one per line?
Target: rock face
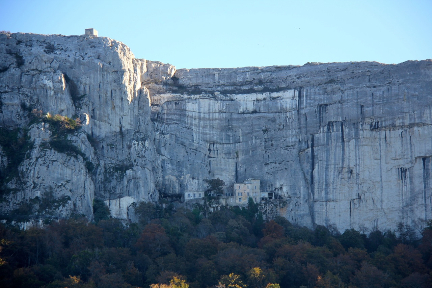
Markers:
<point>347,145</point>
<point>99,81</point>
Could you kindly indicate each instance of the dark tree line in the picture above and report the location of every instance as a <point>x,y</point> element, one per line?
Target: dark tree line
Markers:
<point>230,248</point>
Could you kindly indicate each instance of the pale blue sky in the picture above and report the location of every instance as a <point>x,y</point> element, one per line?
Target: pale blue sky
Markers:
<point>237,33</point>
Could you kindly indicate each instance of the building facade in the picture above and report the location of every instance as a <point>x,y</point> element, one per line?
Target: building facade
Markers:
<point>91,32</point>
<point>249,189</point>
<point>193,195</point>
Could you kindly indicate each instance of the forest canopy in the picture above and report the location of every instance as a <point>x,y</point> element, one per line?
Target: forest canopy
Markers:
<point>230,248</point>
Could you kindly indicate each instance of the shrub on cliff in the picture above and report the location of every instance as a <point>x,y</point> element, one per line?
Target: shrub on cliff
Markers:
<point>59,124</point>
<point>63,123</point>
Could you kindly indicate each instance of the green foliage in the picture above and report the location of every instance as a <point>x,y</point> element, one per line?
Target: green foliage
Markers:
<point>256,277</point>
<point>48,203</point>
<point>80,262</point>
<point>321,236</point>
<point>178,283</point>
<point>22,213</point>
<point>406,234</point>
<point>16,145</point>
<point>146,211</point>
<point>62,124</point>
<point>197,212</point>
<point>215,187</point>
<point>65,146</point>
<point>250,213</point>
<point>232,281</point>
<point>100,211</point>
<point>37,208</point>
<point>352,239</point>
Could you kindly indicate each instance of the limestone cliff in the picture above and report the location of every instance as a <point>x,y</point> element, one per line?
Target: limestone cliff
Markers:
<point>347,145</point>
<point>99,81</point>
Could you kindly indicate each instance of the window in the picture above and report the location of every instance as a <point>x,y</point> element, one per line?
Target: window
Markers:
<point>199,195</point>
<point>239,199</point>
<point>189,195</point>
<point>247,193</point>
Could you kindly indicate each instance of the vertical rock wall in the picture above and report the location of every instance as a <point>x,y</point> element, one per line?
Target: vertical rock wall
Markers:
<point>99,81</point>
<point>347,145</point>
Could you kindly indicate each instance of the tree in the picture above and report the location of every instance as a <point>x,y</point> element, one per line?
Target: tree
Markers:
<point>238,230</point>
<point>406,233</point>
<point>416,280</point>
<point>201,248</point>
<point>112,280</point>
<point>205,272</point>
<point>311,273</point>
<point>374,240</point>
<point>100,210</point>
<point>352,239</point>
<point>72,281</point>
<point>146,212</point>
<point>273,285</point>
<point>273,233</point>
<point>214,186</point>
<point>176,282</point>
<point>154,241</point>
<point>329,281</point>
<point>322,236</point>
<point>273,230</point>
<point>406,260</point>
<point>256,277</point>
<point>426,245</point>
<point>370,276</point>
<point>115,234</point>
<point>231,281</point>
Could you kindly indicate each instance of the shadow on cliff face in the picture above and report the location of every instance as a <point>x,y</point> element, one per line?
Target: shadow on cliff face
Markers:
<point>175,86</point>
<point>73,91</point>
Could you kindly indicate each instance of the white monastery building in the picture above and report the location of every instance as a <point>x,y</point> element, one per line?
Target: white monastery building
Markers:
<point>250,188</point>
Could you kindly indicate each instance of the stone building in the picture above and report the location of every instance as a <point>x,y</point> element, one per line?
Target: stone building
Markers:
<point>250,188</point>
<point>91,32</point>
<point>193,195</point>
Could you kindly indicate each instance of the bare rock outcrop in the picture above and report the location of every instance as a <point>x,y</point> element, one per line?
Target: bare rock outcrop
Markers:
<point>347,144</point>
<point>99,81</point>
